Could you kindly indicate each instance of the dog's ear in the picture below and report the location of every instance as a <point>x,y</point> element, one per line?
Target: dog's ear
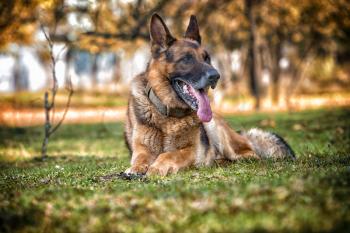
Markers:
<point>161,37</point>
<point>192,31</point>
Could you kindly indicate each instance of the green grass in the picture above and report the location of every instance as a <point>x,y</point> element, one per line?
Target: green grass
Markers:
<point>69,191</point>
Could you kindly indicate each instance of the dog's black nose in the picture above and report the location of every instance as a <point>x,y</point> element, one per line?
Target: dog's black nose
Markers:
<point>213,77</point>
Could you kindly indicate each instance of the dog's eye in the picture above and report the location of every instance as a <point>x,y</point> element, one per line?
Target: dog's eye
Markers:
<point>206,58</point>
<point>188,58</point>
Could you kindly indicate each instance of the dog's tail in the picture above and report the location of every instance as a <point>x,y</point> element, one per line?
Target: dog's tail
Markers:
<point>268,145</point>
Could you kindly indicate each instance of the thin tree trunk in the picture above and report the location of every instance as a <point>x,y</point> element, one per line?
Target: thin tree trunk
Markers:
<point>47,126</point>
<point>276,71</point>
<point>116,69</point>
<point>251,59</point>
<point>68,60</point>
<point>16,76</point>
<point>20,75</point>
<point>94,71</point>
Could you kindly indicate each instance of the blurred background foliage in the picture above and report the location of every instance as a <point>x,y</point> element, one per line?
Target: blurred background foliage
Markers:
<point>268,49</point>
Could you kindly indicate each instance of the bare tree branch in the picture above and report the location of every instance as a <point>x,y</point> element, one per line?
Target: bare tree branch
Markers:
<point>70,90</point>
<point>49,105</point>
<point>120,36</point>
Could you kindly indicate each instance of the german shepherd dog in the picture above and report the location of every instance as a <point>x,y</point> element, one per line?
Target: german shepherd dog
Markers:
<point>170,124</point>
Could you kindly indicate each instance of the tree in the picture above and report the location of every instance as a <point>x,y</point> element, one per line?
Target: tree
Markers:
<point>254,84</point>
<point>49,104</point>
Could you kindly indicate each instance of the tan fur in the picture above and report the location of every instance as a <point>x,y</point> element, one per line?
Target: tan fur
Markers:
<point>166,144</point>
<point>152,141</point>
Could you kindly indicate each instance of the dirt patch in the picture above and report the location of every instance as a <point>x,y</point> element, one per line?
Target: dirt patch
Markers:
<point>32,117</point>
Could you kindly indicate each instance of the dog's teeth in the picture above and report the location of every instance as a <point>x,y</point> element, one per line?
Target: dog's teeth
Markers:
<point>185,89</point>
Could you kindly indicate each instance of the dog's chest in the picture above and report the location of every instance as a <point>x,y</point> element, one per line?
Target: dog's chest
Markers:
<point>179,133</point>
<point>180,139</point>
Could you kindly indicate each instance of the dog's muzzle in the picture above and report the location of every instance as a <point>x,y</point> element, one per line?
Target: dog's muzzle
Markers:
<point>212,77</point>
<point>208,78</point>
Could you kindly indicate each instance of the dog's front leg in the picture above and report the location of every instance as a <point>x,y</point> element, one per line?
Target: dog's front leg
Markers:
<point>141,159</point>
<point>172,162</point>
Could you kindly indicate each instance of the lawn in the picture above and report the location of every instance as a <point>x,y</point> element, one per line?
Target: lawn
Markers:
<point>76,189</point>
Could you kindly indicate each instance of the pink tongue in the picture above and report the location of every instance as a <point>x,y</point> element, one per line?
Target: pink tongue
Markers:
<point>204,112</point>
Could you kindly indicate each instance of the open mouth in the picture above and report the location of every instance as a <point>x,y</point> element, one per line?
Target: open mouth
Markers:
<point>197,99</point>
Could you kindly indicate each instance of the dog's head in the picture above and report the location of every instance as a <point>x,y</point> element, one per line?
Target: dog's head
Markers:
<point>185,65</point>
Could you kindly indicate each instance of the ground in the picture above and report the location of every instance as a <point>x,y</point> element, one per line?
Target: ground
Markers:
<point>76,189</point>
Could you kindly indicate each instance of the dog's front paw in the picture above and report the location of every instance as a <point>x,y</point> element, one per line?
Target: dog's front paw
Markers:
<point>162,169</point>
<point>138,169</point>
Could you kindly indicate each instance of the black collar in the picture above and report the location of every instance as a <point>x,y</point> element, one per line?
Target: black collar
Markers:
<point>164,109</point>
